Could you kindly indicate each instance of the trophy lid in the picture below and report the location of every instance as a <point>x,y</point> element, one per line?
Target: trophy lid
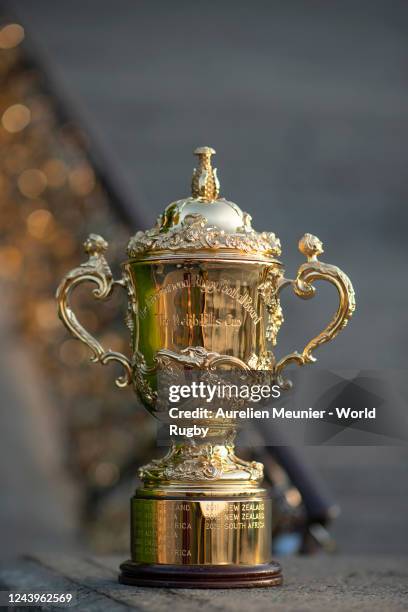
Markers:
<point>204,224</point>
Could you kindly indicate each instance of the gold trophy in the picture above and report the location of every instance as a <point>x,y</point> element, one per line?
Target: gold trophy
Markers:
<point>203,295</point>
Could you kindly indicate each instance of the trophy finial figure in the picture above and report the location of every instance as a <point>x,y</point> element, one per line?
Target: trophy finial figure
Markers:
<point>205,184</point>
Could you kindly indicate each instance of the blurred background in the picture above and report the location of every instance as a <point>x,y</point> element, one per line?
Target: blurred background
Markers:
<point>101,105</point>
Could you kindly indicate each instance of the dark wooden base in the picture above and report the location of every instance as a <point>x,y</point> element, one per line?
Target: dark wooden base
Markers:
<point>201,576</point>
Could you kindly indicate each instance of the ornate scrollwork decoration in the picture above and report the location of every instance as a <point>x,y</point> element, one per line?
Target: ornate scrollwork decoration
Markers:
<point>96,270</point>
<point>269,291</point>
<point>195,233</point>
<point>264,362</point>
<point>201,462</point>
<point>198,357</point>
<point>142,372</point>
<point>131,311</point>
<point>309,272</point>
<point>172,364</point>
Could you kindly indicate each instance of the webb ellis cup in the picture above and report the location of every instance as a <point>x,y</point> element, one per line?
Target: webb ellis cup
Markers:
<point>203,296</point>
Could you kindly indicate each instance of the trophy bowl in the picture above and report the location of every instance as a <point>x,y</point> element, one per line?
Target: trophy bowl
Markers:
<point>203,300</point>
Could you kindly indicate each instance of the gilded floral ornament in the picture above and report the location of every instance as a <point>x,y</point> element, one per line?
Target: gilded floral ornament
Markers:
<point>200,462</point>
<point>269,291</point>
<point>195,233</point>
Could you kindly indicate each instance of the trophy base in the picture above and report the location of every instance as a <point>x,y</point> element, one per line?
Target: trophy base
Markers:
<point>201,577</point>
<point>217,537</point>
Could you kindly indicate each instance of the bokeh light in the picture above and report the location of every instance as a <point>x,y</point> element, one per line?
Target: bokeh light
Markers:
<point>82,180</point>
<point>39,222</point>
<point>11,35</point>
<point>11,259</point>
<point>15,118</point>
<point>32,182</point>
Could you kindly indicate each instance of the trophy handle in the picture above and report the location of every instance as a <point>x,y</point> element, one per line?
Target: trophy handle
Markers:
<point>95,270</point>
<point>309,272</point>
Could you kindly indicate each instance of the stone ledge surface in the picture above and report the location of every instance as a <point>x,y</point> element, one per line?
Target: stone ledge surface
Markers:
<point>320,583</point>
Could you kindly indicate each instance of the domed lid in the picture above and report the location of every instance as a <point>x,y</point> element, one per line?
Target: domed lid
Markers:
<point>204,224</point>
